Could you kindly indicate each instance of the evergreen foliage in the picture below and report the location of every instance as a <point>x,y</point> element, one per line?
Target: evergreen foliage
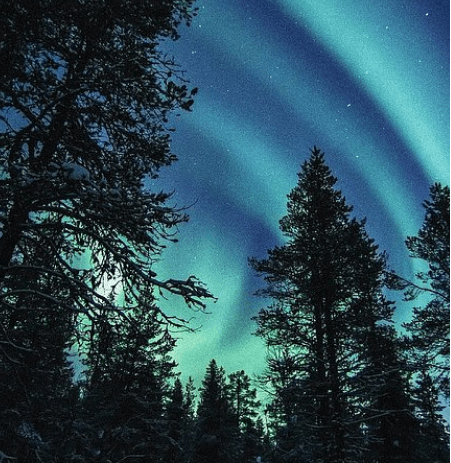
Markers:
<point>34,366</point>
<point>390,428</point>
<point>429,328</point>
<point>127,386</point>
<point>85,95</point>
<point>176,419</point>
<point>433,443</point>
<point>245,409</point>
<point>216,427</point>
<point>227,424</point>
<point>339,388</point>
<point>84,103</point>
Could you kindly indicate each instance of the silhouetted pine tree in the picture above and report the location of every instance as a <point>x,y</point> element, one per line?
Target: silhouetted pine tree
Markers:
<point>254,441</point>
<point>216,431</point>
<point>189,404</point>
<point>245,409</point>
<point>129,371</point>
<point>180,420</point>
<point>190,399</point>
<point>324,281</point>
<point>291,412</point>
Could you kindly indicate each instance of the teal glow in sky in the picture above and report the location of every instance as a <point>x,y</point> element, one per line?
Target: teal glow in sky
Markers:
<point>368,82</point>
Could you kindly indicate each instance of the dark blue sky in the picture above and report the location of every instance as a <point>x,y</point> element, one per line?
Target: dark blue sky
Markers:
<point>367,82</point>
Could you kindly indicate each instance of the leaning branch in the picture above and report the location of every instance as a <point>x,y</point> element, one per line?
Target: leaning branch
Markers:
<point>394,279</point>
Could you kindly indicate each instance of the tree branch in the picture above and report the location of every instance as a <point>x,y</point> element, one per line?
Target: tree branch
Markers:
<point>394,278</point>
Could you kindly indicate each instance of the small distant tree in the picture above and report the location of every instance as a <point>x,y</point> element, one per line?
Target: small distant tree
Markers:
<point>245,408</point>
<point>243,397</point>
<point>216,424</point>
<point>176,421</point>
<point>253,441</point>
<point>129,372</point>
<point>190,399</point>
<point>181,421</point>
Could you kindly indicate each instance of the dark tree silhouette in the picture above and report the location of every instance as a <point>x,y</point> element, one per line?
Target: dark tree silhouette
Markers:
<point>429,328</point>
<point>127,385</point>
<point>433,442</point>
<point>36,389</point>
<point>245,410</point>
<point>326,283</point>
<point>85,95</point>
<point>84,100</point>
<point>176,419</point>
<point>216,426</point>
<point>390,429</point>
<point>181,423</point>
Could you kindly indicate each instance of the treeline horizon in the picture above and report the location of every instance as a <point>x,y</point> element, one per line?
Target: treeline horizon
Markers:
<point>86,96</point>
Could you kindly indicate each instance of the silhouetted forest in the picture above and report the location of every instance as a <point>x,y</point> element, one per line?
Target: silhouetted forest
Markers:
<point>85,100</point>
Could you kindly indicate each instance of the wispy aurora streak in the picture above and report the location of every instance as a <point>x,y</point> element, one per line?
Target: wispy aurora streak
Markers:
<point>299,91</point>
<point>354,33</point>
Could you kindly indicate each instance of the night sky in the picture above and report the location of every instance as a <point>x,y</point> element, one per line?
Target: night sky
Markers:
<point>367,82</point>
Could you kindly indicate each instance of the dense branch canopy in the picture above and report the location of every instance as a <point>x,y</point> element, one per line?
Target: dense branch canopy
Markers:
<point>85,94</point>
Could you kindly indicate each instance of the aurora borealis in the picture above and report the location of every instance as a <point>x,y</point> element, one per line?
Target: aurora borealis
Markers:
<point>367,82</point>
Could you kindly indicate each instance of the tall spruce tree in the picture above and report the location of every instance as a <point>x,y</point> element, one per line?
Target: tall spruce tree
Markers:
<point>324,281</point>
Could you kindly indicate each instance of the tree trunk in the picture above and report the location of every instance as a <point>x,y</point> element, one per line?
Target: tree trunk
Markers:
<point>336,406</point>
<point>17,218</point>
